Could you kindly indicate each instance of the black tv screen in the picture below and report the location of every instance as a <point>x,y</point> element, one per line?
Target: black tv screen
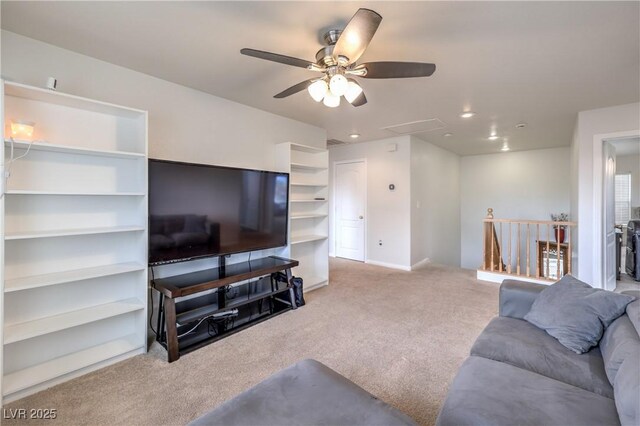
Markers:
<point>198,210</point>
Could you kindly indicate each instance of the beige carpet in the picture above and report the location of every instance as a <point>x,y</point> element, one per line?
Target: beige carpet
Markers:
<point>399,335</point>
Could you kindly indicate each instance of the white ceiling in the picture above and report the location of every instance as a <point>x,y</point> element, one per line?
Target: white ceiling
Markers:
<point>533,62</point>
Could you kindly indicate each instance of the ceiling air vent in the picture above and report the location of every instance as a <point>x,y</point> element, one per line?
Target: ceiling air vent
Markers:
<point>414,127</point>
<point>334,142</point>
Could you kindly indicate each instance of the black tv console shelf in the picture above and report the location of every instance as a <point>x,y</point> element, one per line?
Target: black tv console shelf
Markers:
<point>186,325</point>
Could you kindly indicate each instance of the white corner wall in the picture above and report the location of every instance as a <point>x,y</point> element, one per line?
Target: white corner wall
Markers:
<point>184,124</point>
<point>388,212</point>
<point>517,185</point>
<point>591,127</point>
<point>435,204</point>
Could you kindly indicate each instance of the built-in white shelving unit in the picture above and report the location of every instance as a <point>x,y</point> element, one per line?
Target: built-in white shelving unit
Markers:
<point>308,210</point>
<point>73,243</point>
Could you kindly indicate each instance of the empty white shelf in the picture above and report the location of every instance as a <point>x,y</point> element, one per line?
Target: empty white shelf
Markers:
<point>308,184</point>
<point>29,329</point>
<point>57,367</point>
<point>70,232</point>
<point>306,148</point>
<point>301,166</point>
<point>58,98</point>
<point>308,201</point>
<point>298,239</point>
<point>36,281</point>
<point>307,216</point>
<point>30,192</point>
<point>65,149</point>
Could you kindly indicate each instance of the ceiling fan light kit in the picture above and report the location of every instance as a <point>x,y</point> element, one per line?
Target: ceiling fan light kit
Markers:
<point>331,100</point>
<point>318,89</point>
<point>337,60</point>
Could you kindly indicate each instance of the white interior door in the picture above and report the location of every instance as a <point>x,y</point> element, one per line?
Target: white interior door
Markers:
<point>350,188</point>
<point>609,216</point>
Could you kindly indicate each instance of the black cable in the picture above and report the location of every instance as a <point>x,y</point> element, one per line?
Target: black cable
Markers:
<point>151,300</point>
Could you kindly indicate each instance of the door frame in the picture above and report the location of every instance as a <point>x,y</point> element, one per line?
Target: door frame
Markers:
<point>335,203</point>
<point>600,241</point>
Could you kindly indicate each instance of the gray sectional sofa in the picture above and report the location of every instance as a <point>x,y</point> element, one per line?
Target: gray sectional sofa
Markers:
<point>517,374</point>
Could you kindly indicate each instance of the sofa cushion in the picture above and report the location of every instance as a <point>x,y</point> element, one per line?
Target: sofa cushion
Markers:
<point>488,392</point>
<point>306,393</point>
<point>633,309</point>
<point>523,345</point>
<point>575,313</point>
<point>627,390</point>
<point>619,341</point>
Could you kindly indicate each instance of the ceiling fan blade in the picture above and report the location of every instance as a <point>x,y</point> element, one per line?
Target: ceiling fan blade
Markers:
<point>287,60</point>
<point>356,36</point>
<point>295,89</point>
<point>360,100</point>
<point>397,69</point>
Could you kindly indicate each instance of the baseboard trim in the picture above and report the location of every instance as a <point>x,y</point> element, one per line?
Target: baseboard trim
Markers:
<point>420,263</point>
<point>497,277</point>
<point>388,265</point>
<point>332,254</point>
<point>316,286</point>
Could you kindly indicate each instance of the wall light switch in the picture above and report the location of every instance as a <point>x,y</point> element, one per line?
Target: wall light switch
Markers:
<point>392,147</point>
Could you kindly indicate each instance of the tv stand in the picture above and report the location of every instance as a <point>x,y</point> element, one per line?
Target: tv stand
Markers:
<point>186,325</point>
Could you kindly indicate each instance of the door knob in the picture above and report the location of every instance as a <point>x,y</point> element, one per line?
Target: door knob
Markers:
<point>361,217</point>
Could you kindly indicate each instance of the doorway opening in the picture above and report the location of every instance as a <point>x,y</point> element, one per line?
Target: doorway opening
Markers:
<point>621,213</point>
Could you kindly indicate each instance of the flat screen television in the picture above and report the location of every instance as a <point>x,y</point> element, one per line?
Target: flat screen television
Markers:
<point>198,210</point>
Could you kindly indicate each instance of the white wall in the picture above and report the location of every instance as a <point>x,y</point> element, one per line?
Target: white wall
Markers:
<point>184,124</point>
<point>435,204</point>
<point>388,212</point>
<point>517,185</point>
<point>631,164</point>
<point>591,127</point>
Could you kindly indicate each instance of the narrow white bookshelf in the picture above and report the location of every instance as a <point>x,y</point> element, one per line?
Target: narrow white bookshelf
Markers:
<point>308,216</point>
<point>54,278</point>
<point>70,232</point>
<point>38,327</point>
<point>299,239</point>
<point>50,147</point>
<point>301,216</point>
<point>308,201</point>
<point>110,194</point>
<point>44,372</point>
<point>74,238</point>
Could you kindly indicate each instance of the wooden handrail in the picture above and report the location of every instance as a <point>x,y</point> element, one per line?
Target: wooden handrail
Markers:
<point>549,243</point>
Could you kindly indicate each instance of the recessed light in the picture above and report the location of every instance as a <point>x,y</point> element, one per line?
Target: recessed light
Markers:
<point>448,135</point>
<point>467,114</point>
<point>504,148</point>
<point>493,137</point>
<point>354,135</point>
<point>521,125</point>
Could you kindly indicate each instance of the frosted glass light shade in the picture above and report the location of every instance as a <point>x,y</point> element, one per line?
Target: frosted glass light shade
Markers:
<point>331,100</point>
<point>353,91</point>
<point>338,84</point>
<point>318,89</point>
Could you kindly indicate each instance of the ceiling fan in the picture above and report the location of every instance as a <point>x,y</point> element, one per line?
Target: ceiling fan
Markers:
<point>337,61</point>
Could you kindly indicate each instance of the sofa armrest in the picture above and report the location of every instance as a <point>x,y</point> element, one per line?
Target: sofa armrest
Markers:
<point>516,297</point>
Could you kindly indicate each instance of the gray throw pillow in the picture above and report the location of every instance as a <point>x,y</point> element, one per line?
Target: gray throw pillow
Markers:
<point>575,313</point>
